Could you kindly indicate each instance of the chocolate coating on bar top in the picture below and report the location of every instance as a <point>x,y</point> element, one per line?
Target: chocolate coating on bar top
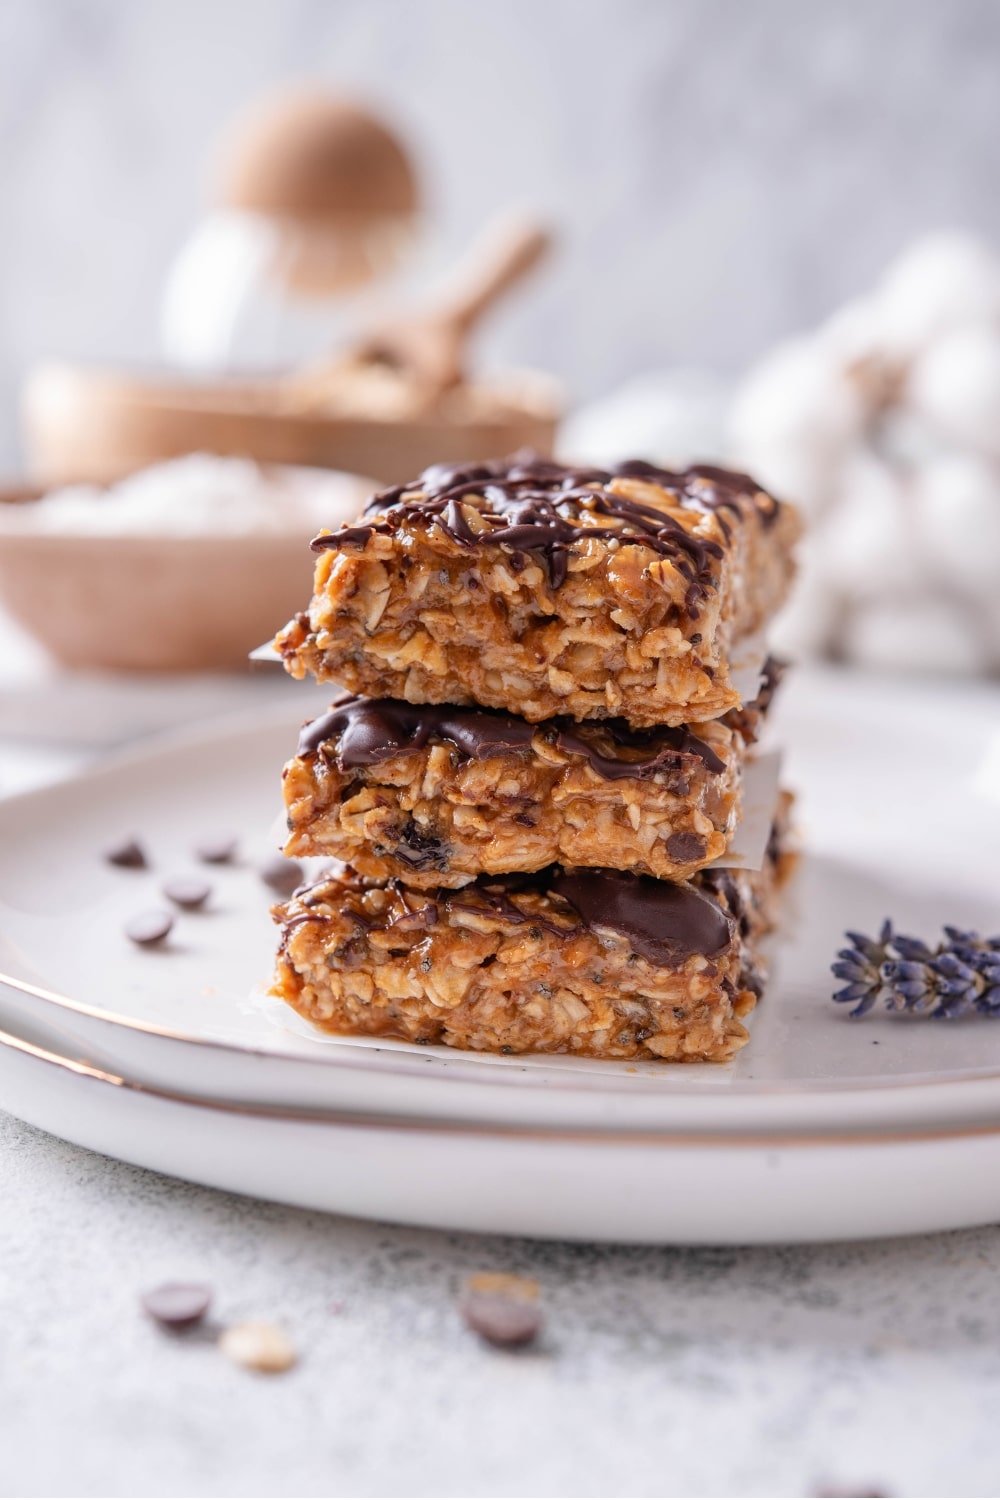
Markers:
<point>664,923</point>
<point>371,730</point>
<point>534,505</point>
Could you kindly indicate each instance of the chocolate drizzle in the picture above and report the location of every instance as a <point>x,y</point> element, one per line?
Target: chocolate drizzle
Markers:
<point>535,506</point>
<point>370,730</point>
<point>492,894</point>
<point>665,923</point>
<point>771,677</point>
<point>667,748</point>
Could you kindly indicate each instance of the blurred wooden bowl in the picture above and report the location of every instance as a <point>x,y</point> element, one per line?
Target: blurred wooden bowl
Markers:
<point>143,603</point>
<point>97,425</point>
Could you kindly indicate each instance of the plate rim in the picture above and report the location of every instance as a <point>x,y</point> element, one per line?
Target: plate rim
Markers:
<point>427,1125</point>
<point>363,1058</point>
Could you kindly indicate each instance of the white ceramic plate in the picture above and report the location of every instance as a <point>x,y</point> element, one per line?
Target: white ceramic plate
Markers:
<point>901,818</point>
<point>644,1188</point>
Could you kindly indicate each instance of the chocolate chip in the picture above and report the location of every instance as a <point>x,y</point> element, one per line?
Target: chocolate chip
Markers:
<point>503,1310</point>
<point>187,891</point>
<point>685,847</point>
<point>149,927</point>
<point>128,855</point>
<point>177,1304</point>
<point>217,851</point>
<point>281,874</point>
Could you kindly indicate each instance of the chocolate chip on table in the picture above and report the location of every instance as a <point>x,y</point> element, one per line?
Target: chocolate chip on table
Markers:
<point>281,874</point>
<point>128,854</point>
<point>149,927</point>
<point>503,1310</point>
<point>187,891</point>
<point>258,1346</point>
<point>177,1304</point>
<point>217,851</point>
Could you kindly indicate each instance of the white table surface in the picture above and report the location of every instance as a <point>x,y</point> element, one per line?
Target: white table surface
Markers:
<point>788,1371</point>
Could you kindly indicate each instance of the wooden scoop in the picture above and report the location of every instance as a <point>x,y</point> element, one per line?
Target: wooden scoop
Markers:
<point>429,349</point>
<point>375,410</point>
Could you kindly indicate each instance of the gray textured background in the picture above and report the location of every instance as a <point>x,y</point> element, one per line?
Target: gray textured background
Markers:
<point>725,172</point>
<point>867,1369</point>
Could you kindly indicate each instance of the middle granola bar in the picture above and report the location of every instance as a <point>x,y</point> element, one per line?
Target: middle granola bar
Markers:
<point>438,795</point>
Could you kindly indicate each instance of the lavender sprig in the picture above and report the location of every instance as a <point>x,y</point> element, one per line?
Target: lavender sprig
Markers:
<point>961,974</point>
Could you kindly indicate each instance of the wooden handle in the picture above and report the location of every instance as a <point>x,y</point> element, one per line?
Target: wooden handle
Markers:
<point>506,253</point>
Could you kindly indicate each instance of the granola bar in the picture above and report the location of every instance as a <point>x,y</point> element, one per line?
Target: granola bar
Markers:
<point>600,963</point>
<point>544,591</point>
<point>437,795</point>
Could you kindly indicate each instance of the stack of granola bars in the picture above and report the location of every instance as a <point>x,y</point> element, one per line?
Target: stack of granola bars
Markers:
<point>538,799</point>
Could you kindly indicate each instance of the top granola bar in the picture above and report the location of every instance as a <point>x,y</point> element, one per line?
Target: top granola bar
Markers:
<point>527,586</point>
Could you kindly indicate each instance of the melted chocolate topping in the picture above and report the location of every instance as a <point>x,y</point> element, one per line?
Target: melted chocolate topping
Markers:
<point>370,730</point>
<point>492,893</point>
<point>666,747</point>
<point>537,506</point>
<point>771,678</point>
<point>665,923</point>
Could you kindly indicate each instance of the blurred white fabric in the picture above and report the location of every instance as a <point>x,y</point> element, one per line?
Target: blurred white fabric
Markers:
<point>673,417</point>
<point>883,424</point>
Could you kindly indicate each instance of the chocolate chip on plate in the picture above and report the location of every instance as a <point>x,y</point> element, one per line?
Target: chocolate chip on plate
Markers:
<point>259,1346</point>
<point>128,854</point>
<point>281,874</point>
<point>187,891</point>
<point>220,850</point>
<point>149,927</point>
<point>503,1310</point>
<point>177,1304</point>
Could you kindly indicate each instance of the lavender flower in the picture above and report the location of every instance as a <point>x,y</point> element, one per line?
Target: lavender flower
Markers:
<point>961,974</point>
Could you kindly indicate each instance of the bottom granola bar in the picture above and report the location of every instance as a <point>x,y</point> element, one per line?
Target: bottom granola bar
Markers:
<point>595,962</point>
